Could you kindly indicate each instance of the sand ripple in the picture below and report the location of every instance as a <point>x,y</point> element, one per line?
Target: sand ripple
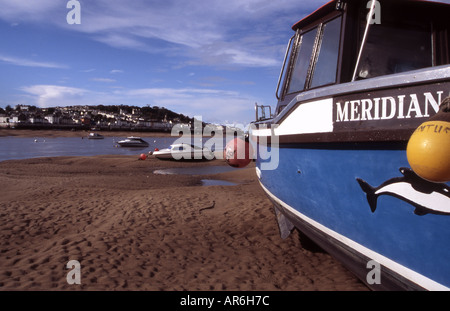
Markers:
<point>134,230</point>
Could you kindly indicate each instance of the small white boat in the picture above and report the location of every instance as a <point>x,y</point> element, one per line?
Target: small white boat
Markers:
<point>95,136</point>
<point>133,142</point>
<point>185,152</point>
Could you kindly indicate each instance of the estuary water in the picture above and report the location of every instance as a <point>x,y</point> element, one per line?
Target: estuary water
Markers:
<point>25,147</point>
<point>12,147</point>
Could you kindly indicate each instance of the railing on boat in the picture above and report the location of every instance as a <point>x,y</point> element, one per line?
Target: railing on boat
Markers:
<point>263,109</point>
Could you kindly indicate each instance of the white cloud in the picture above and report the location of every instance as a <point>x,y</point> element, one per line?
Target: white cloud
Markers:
<point>213,105</point>
<point>88,70</point>
<point>221,34</point>
<point>15,11</point>
<point>54,95</point>
<point>105,80</point>
<point>235,32</point>
<point>122,40</point>
<point>29,63</point>
<point>246,58</point>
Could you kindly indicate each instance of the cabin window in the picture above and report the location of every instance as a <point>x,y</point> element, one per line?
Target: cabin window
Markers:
<point>398,43</point>
<point>326,66</point>
<point>442,38</point>
<point>301,65</point>
<point>316,58</point>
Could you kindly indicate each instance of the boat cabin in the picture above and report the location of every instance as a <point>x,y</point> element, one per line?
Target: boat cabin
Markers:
<point>346,41</point>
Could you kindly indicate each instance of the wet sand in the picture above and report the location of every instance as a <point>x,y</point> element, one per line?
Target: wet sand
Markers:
<point>134,230</point>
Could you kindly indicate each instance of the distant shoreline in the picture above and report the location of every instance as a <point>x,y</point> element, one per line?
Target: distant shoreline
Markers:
<point>20,132</point>
<point>79,133</point>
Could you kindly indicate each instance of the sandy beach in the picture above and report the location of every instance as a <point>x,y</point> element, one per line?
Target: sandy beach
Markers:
<point>131,229</point>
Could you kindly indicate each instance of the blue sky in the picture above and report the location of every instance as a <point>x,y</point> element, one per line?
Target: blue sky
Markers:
<point>206,58</point>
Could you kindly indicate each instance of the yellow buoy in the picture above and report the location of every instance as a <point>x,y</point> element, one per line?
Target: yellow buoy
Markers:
<point>428,149</point>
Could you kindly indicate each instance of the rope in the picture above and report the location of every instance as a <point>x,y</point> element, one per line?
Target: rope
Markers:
<point>445,105</point>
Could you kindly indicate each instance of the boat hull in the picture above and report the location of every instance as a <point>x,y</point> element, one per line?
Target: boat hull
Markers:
<point>97,136</point>
<point>132,145</point>
<point>332,156</point>
<point>317,190</point>
<point>182,155</point>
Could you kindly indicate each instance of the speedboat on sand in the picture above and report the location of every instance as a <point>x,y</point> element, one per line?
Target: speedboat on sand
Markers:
<point>133,142</point>
<point>184,151</point>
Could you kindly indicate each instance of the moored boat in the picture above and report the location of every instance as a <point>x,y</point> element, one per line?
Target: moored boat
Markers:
<point>184,151</point>
<point>133,142</point>
<point>356,82</point>
<point>94,135</point>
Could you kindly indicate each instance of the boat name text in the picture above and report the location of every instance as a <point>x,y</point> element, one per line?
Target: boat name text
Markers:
<point>389,107</point>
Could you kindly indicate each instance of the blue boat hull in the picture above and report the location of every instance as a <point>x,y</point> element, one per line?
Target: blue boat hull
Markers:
<point>317,190</point>
<point>349,101</point>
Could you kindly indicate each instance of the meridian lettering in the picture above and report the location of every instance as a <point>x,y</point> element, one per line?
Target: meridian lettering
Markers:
<point>430,99</point>
<point>414,106</point>
<point>366,107</point>
<point>385,108</point>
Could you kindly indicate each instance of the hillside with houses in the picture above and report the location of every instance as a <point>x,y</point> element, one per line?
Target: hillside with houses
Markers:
<point>87,117</point>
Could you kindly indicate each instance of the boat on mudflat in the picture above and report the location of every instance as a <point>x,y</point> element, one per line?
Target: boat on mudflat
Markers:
<point>359,80</point>
<point>184,151</point>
